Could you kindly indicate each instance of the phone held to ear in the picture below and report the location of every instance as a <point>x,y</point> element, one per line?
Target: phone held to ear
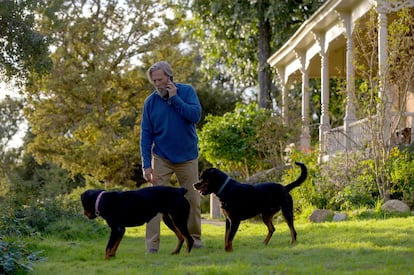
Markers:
<point>167,95</point>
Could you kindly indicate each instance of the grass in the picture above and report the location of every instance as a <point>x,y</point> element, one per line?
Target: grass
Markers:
<point>372,246</point>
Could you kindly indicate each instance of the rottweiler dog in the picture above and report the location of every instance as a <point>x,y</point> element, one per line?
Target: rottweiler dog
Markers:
<point>243,201</point>
<point>134,208</point>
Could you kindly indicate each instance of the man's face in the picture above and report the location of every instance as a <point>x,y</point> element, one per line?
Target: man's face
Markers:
<point>160,80</point>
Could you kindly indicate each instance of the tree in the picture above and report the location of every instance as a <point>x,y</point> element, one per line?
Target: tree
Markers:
<point>384,111</point>
<point>23,49</point>
<point>237,38</point>
<point>10,118</point>
<point>85,113</point>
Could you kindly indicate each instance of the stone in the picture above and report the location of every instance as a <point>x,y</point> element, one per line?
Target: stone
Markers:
<point>395,206</point>
<point>320,215</point>
<point>340,217</point>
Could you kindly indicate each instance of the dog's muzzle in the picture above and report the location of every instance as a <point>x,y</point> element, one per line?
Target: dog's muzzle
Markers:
<point>201,187</point>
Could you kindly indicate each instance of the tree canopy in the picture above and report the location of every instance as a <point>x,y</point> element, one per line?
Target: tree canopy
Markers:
<point>23,48</point>
<point>85,112</point>
<point>237,37</point>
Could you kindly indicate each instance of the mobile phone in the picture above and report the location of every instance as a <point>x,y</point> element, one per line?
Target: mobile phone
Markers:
<point>168,94</point>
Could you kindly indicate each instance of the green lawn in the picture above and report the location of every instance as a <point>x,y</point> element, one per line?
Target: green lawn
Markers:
<point>351,247</point>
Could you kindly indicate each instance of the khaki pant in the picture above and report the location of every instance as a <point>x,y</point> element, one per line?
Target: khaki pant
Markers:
<point>187,175</point>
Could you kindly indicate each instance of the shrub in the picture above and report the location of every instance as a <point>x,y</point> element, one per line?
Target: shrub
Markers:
<point>401,165</point>
<point>247,140</point>
<point>77,228</point>
<point>16,257</point>
<point>347,181</point>
<point>309,193</point>
<point>13,224</point>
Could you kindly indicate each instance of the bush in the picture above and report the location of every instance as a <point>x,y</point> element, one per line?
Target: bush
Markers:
<point>13,224</point>
<point>16,257</point>
<point>401,165</point>
<point>309,193</point>
<point>41,214</point>
<point>348,181</point>
<point>247,140</point>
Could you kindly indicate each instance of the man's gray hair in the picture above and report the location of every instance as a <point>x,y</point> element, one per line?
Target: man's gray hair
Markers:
<point>161,65</point>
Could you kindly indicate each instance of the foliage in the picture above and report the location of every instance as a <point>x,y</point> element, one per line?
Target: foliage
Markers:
<point>401,166</point>
<point>32,183</point>
<point>85,114</point>
<point>381,97</point>
<point>347,181</point>
<point>23,48</point>
<point>10,119</point>
<point>215,102</point>
<point>236,38</point>
<point>243,140</point>
<point>309,194</point>
<point>16,258</point>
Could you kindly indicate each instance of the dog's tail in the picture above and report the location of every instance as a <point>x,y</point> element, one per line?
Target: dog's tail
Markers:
<point>301,179</point>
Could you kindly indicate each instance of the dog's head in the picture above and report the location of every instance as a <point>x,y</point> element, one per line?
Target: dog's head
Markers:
<point>88,199</point>
<point>210,181</point>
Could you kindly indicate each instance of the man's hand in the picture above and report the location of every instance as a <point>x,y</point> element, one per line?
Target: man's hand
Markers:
<point>171,89</point>
<point>148,174</point>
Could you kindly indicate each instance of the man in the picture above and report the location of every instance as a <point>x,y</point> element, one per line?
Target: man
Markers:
<point>169,144</point>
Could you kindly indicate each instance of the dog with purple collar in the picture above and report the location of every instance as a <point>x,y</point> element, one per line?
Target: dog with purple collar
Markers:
<point>134,208</point>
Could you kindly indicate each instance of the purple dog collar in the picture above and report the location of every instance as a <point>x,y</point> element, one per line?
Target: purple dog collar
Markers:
<point>97,203</point>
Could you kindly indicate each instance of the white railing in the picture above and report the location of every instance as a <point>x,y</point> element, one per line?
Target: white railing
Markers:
<point>336,140</point>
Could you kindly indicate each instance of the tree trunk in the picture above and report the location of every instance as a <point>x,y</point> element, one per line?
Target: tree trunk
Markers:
<point>264,67</point>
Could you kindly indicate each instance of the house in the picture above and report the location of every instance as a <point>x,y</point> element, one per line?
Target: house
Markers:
<point>323,48</point>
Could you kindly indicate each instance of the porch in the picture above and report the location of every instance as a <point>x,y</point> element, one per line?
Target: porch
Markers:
<point>323,48</point>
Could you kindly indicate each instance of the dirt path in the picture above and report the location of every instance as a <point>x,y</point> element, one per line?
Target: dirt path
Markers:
<point>213,222</point>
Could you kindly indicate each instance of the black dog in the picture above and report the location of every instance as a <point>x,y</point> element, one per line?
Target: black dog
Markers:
<point>243,201</point>
<point>134,208</point>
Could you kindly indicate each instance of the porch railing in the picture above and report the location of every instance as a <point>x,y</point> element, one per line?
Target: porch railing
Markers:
<point>337,140</point>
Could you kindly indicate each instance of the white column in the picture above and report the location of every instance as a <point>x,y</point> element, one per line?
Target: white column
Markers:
<point>283,83</point>
<point>215,207</point>
<point>350,79</point>
<point>324,122</point>
<point>382,49</point>
<point>385,108</point>
<point>305,133</point>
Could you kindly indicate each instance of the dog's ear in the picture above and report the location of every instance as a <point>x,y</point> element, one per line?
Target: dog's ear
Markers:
<point>208,172</point>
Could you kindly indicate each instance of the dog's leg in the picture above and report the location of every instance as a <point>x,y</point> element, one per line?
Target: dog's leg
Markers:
<point>183,230</point>
<point>231,229</point>
<point>267,219</point>
<point>117,233</point>
<point>179,227</point>
<point>169,222</point>
<point>288,215</point>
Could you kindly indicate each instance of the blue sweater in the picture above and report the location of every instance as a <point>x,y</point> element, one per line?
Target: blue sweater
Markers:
<point>168,127</point>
